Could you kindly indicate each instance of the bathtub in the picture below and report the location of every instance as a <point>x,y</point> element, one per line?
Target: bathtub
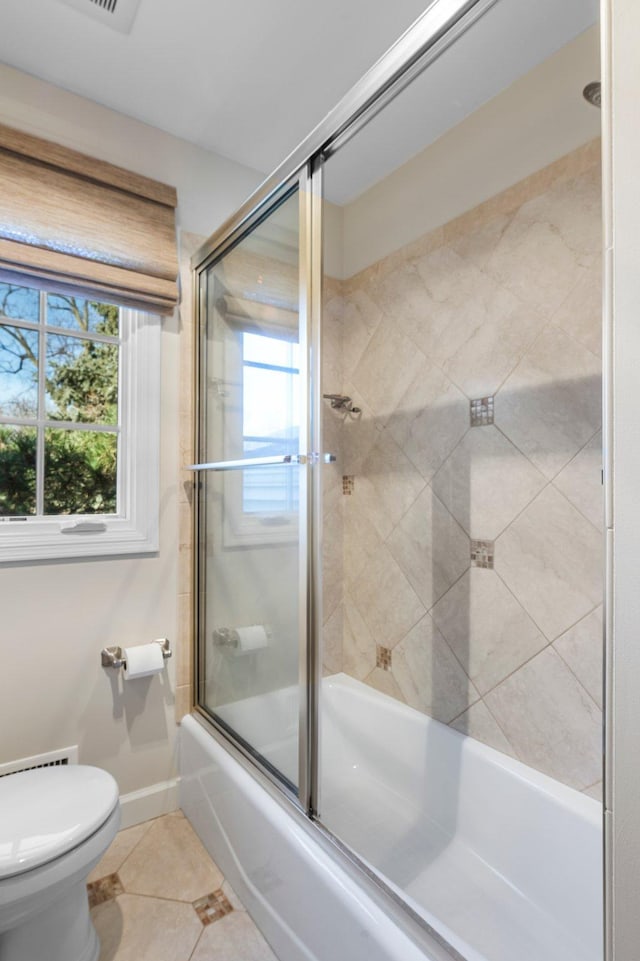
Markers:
<point>497,860</point>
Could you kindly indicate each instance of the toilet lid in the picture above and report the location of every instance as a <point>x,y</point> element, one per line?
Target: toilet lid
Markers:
<point>49,811</point>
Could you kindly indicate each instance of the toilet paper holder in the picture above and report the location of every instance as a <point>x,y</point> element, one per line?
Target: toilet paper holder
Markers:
<point>114,656</point>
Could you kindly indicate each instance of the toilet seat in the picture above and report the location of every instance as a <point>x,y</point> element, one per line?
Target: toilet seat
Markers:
<point>48,812</point>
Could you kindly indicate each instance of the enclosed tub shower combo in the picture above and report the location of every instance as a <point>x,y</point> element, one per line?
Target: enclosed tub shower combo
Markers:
<point>396,747</point>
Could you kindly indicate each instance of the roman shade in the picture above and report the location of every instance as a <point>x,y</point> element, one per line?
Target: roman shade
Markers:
<point>80,225</point>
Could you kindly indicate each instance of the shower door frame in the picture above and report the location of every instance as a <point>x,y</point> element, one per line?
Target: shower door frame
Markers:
<point>435,30</point>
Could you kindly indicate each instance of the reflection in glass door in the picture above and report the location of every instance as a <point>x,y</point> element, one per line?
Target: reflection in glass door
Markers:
<point>252,491</point>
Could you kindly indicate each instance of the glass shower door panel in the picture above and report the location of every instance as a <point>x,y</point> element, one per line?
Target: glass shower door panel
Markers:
<point>252,495</point>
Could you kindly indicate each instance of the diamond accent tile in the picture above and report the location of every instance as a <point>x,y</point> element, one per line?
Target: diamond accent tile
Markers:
<point>212,907</point>
<point>105,889</point>
<point>383,657</point>
<point>482,554</point>
<point>481,411</point>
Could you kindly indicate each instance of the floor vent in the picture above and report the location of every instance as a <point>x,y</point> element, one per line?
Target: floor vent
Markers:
<point>66,755</point>
<point>118,14</point>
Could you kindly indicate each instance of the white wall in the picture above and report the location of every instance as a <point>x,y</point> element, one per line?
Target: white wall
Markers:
<point>56,617</point>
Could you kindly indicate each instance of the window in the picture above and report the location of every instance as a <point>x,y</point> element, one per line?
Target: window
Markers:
<point>262,503</point>
<point>79,398</point>
<point>269,369</point>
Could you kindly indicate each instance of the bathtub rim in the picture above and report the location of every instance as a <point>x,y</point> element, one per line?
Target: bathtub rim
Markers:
<point>409,921</point>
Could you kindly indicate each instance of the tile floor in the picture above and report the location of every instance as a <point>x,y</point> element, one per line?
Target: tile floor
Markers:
<point>157,896</point>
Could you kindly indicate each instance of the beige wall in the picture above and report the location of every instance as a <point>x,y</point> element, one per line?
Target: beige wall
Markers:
<point>57,616</point>
<point>503,303</point>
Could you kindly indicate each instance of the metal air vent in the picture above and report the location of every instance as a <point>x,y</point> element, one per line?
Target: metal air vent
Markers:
<point>118,14</point>
<point>63,756</point>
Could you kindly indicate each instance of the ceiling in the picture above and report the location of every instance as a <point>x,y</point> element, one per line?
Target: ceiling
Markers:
<point>245,78</point>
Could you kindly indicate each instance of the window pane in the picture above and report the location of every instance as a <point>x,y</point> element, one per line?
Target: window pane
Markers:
<point>270,350</point>
<point>17,470</point>
<point>271,409</point>
<point>74,313</point>
<point>18,371</point>
<point>270,490</point>
<point>19,303</point>
<point>80,472</point>
<point>81,380</point>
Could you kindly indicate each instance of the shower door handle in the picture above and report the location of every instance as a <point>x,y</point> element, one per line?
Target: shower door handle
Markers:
<point>287,460</point>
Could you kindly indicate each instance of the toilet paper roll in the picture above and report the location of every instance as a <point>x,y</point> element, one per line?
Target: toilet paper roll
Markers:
<point>143,660</point>
<point>250,639</point>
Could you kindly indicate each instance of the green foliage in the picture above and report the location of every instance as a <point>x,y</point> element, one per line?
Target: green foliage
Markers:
<point>82,382</point>
<point>17,471</point>
<point>84,387</point>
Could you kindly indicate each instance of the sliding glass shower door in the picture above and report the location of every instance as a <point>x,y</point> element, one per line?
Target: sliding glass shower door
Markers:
<point>252,491</point>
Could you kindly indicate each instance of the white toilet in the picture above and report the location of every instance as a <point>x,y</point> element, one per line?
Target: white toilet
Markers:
<point>55,825</point>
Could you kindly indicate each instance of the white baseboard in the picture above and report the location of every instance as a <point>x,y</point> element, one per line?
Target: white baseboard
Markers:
<point>149,802</point>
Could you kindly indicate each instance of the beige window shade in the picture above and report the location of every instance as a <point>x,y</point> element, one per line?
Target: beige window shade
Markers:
<point>76,223</point>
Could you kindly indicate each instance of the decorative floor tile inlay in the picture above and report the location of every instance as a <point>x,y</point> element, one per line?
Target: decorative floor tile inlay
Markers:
<point>482,554</point>
<point>105,889</point>
<point>212,907</point>
<point>481,411</point>
<point>348,484</point>
<point>383,657</point>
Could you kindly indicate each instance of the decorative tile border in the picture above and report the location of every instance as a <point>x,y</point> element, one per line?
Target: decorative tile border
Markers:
<point>482,554</point>
<point>212,907</point>
<point>105,889</point>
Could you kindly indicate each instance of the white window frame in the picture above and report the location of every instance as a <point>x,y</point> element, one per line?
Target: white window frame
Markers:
<point>135,528</point>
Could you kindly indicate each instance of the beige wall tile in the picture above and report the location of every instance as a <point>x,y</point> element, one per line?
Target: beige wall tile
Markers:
<point>552,722</point>
<point>388,362</point>
<point>489,632</point>
<point>551,405</point>
<point>478,722</point>
<point>551,559</point>
<point>582,648</point>
<point>580,315</point>
<point>385,599</point>
<point>183,701</point>
<point>429,675</point>
<point>332,642</point>
<point>430,547</point>
<point>487,482</point>
<point>581,481</point>
<point>385,682</point>
<point>359,647</point>
<point>429,420</point>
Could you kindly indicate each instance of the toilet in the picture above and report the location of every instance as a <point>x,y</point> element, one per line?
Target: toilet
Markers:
<point>55,825</point>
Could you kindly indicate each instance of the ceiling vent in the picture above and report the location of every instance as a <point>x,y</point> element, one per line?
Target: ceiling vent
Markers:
<point>118,14</point>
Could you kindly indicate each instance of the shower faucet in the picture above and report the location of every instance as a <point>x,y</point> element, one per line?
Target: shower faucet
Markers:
<point>342,402</point>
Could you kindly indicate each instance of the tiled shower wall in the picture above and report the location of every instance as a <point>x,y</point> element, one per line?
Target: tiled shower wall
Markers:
<point>463,562</point>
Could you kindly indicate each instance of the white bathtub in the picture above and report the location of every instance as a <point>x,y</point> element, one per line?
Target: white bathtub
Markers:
<point>501,861</point>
